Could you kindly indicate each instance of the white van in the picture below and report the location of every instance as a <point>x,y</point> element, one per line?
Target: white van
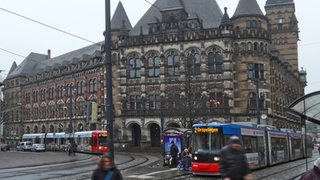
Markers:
<point>24,146</point>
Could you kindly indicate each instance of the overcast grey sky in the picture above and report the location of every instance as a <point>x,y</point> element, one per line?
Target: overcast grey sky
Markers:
<point>86,18</point>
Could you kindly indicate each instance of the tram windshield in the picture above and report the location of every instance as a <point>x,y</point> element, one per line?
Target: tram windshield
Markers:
<point>103,139</point>
<point>206,141</point>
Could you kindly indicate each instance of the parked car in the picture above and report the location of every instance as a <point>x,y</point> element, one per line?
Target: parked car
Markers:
<point>4,147</point>
<point>24,146</point>
<point>38,148</point>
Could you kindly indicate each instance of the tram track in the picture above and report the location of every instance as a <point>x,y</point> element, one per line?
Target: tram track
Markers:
<point>130,164</point>
<point>290,170</point>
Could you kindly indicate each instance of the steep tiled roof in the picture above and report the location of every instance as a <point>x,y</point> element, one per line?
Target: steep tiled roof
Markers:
<point>28,65</point>
<point>247,7</point>
<point>35,63</point>
<point>119,17</point>
<point>207,10</point>
<point>278,2</point>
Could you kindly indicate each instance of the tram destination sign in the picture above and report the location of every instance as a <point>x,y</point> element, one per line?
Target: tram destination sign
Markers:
<point>205,130</point>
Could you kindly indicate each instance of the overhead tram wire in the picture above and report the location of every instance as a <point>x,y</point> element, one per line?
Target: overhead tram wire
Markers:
<point>16,54</point>
<point>46,25</point>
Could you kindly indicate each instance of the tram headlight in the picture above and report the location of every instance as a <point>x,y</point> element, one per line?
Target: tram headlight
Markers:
<point>195,158</point>
<point>216,158</point>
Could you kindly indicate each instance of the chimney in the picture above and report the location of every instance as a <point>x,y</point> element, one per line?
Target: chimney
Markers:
<point>49,54</point>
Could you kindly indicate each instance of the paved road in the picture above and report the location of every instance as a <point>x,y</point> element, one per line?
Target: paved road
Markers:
<point>151,169</point>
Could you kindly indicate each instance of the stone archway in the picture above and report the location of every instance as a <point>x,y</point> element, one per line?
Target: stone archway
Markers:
<point>155,135</point>
<point>135,134</point>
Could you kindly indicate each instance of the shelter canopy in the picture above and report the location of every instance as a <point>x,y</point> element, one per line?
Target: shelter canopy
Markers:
<point>308,106</point>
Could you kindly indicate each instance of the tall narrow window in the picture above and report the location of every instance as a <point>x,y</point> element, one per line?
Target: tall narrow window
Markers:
<point>134,68</point>
<point>193,64</point>
<point>255,71</point>
<point>135,102</point>
<point>154,101</point>
<point>154,66</point>
<point>280,21</point>
<point>173,67</point>
<point>214,63</point>
<point>52,111</point>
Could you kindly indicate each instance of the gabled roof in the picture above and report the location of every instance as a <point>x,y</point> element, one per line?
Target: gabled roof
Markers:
<point>119,18</point>
<point>247,7</point>
<point>278,2</point>
<point>207,10</point>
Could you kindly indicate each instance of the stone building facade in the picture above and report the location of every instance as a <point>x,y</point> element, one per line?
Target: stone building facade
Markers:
<point>182,63</point>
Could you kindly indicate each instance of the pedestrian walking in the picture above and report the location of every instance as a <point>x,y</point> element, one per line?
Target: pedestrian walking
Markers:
<point>174,151</point>
<point>233,162</point>
<point>74,147</point>
<point>314,173</point>
<point>106,169</point>
<point>186,159</point>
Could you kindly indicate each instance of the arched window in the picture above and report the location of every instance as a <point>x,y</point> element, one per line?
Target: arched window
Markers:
<point>51,128</point>
<point>94,85</point>
<point>194,62</point>
<point>134,68</point>
<point>154,66</point>
<point>81,108</point>
<point>78,88</point>
<point>248,24</point>
<point>91,85</point>
<point>173,66</point>
<point>215,62</point>
<point>35,129</point>
<point>82,87</point>
<point>249,46</point>
<point>52,111</point>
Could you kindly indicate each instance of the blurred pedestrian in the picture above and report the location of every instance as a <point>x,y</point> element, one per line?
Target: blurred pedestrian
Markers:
<point>74,147</point>
<point>314,173</point>
<point>106,169</point>
<point>174,151</point>
<point>233,162</point>
<point>186,159</point>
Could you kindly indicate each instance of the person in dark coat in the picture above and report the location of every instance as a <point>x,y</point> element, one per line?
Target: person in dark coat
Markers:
<point>314,173</point>
<point>174,151</point>
<point>106,170</point>
<point>233,162</point>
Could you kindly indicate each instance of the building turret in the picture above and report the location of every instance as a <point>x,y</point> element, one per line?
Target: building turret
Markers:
<point>225,21</point>
<point>120,24</point>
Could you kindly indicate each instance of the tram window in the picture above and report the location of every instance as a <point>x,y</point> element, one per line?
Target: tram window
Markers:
<point>249,144</point>
<point>86,140</point>
<point>37,140</point>
<point>206,143</point>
